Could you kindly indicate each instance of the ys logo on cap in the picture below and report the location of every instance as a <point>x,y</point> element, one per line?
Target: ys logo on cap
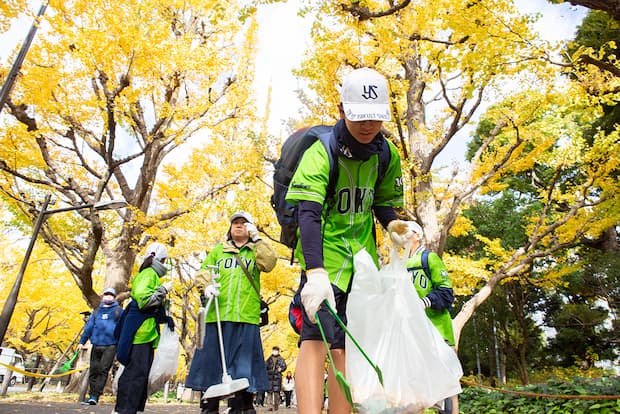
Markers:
<point>370,92</point>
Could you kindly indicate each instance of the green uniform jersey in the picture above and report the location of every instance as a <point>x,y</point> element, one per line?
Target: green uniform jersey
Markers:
<point>423,285</point>
<point>347,223</point>
<point>143,285</point>
<point>238,301</point>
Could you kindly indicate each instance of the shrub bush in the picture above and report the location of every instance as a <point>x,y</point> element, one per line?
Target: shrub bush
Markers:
<point>481,400</point>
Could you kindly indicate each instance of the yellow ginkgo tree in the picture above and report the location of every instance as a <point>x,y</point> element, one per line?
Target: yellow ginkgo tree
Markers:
<point>45,324</point>
<point>9,10</point>
<point>109,93</point>
<point>446,61</point>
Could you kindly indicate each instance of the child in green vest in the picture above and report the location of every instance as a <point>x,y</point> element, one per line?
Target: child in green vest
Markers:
<point>433,284</point>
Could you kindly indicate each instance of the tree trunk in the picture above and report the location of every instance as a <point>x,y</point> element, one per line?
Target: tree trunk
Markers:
<point>610,6</point>
<point>468,309</point>
<point>35,368</point>
<point>522,366</point>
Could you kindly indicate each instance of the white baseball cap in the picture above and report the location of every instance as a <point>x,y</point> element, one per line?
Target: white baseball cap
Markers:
<point>415,227</point>
<point>157,250</point>
<point>364,96</point>
<point>242,214</point>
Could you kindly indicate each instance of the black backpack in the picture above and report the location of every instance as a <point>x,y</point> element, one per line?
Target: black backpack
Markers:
<point>292,150</point>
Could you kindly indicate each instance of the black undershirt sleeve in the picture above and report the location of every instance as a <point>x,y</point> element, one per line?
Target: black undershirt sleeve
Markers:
<point>310,233</point>
<point>384,214</point>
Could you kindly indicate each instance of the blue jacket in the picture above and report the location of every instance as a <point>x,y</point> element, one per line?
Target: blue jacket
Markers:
<point>100,326</point>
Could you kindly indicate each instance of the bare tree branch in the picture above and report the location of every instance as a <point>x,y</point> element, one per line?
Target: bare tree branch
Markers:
<point>363,13</point>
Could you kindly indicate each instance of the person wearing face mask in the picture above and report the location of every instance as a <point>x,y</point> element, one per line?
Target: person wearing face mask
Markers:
<point>138,330</point>
<point>99,330</point>
<point>275,367</point>
<point>231,272</point>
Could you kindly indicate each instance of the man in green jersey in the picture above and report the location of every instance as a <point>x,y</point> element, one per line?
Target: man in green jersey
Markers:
<point>436,294</point>
<point>334,227</point>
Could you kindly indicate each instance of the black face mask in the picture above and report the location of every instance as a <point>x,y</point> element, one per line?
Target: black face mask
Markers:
<point>351,148</point>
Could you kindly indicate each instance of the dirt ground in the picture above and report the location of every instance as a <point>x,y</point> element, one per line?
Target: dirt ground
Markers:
<point>38,404</point>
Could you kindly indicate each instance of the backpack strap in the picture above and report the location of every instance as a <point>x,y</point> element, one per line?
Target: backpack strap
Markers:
<point>246,272</point>
<point>425,266</point>
<point>329,142</point>
<point>384,161</point>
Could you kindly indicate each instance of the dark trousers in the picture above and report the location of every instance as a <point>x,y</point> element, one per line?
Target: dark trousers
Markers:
<point>274,398</point>
<point>101,359</point>
<point>287,398</point>
<point>134,381</point>
<point>260,398</point>
<point>242,401</point>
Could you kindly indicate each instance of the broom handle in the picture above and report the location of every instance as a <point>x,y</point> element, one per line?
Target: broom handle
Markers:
<point>219,337</point>
<point>208,305</point>
<point>201,340</point>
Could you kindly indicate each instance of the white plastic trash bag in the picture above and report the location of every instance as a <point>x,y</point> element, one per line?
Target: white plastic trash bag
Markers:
<point>117,375</point>
<point>386,317</point>
<point>166,359</point>
<point>200,327</point>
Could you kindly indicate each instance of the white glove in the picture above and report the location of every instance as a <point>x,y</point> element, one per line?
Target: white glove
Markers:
<point>252,231</point>
<point>426,302</point>
<point>212,290</point>
<point>317,289</point>
<point>167,286</point>
<point>399,232</point>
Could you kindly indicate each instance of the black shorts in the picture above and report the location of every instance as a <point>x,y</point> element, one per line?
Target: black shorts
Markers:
<point>334,334</point>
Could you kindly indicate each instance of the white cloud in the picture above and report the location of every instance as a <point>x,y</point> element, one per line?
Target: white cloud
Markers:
<point>558,21</point>
<point>282,40</point>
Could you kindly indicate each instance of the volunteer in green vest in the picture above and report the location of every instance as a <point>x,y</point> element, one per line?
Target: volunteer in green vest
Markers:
<point>222,275</point>
<point>138,329</point>
<point>435,293</point>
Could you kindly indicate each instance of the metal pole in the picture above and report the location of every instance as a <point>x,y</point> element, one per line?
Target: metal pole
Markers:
<point>499,373</point>
<point>17,65</point>
<point>477,352</point>
<point>11,301</point>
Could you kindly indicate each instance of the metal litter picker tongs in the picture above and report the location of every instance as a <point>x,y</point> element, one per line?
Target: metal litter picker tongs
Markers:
<point>228,386</point>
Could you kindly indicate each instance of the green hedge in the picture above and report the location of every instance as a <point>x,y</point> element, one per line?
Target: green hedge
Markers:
<point>481,400</point>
